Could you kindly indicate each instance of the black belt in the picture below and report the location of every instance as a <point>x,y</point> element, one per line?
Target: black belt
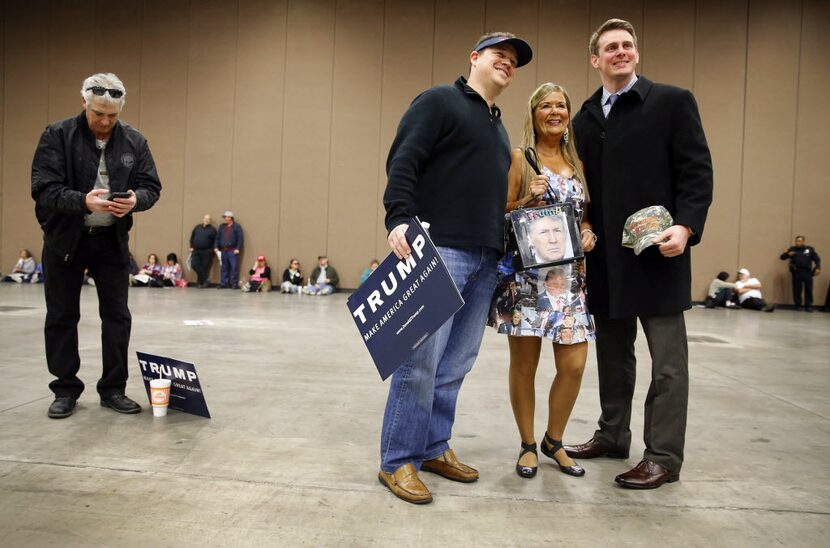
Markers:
<point>97,230</point>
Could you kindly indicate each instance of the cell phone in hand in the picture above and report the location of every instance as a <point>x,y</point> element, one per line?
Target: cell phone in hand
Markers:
<point>114,195</point>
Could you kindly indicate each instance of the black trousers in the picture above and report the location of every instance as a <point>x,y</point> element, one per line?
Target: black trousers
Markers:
<point>668,394</point>
<point>754,303</point>
<point>109,267</point>
<point>721,297</point>
<point>200,261</point>
<point>802,280</point>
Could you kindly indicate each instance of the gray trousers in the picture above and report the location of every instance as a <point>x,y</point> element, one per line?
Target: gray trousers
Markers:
<point>668,395</point>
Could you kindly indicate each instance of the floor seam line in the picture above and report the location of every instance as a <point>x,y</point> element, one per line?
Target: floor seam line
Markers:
<point>295,486</point>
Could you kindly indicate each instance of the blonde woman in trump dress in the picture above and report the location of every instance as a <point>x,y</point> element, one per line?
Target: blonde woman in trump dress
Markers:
<point>551,300</point>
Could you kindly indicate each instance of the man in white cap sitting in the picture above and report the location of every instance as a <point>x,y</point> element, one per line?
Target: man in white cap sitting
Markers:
<point>749,292</point>
<point>229,241</point>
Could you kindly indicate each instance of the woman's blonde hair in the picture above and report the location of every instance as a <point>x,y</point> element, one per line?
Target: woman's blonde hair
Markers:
<point>529,137</point>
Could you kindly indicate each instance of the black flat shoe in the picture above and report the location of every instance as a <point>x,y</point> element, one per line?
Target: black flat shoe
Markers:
<point>527,471</point>
<point>121,403</point>
<point>552,447</point>
<point>62,407</point>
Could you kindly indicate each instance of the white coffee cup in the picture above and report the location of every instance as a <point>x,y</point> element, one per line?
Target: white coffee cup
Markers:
<point>160,396</point>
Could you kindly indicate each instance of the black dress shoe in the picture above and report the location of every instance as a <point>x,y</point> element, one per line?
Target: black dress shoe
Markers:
<point>646,475</point>
<point>527,471</point>
<point>121,403</point>
<point>550,446</point>
<point>62,407</point>
<point>594,448</point>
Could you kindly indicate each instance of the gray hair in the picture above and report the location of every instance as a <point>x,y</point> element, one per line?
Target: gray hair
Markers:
<point>105,80</point>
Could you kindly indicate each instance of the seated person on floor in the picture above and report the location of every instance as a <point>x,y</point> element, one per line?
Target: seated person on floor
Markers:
<point>292,278</point>
<point>150,273</point>
<point>368,272</point>
<point>323,280</point>
<point>260,277</point>
<point>721,292</point>
<point>171,272</point>
<point>749,292</point>
<point>23,269</point>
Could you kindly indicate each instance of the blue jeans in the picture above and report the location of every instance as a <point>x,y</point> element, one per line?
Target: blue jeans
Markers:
<point>320,289</point>
<point>420,410</point>
<point>229,273</point>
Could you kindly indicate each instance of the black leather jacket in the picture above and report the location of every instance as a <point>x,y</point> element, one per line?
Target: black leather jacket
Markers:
<point>64,170</point>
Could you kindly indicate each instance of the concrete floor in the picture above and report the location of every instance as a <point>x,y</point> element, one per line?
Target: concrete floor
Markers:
<point>291,455</point>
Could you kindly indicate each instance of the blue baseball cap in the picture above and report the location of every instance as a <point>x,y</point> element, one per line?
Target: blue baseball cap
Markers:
<point>524,53</point>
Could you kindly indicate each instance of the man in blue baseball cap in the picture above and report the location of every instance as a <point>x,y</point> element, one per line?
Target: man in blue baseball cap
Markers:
<point>448,165</point>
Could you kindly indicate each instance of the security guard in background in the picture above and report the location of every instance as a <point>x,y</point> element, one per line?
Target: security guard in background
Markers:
<point>802,260</point>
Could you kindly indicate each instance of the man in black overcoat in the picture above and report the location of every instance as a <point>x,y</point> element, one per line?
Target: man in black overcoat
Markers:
<point>642,144</point>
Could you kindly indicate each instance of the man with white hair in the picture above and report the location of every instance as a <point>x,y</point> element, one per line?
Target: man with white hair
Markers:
<point>90,173</point>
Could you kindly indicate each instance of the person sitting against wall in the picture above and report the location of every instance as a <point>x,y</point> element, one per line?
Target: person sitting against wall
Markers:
<point>323,280</point>
<point>292,278</point>
<point>721,292</point>
<point>150,273</point>
<point>749,293</point>
<point>171,273</point>
<point>23,269</point>
<point>368,272</point>
<point>260,277</point>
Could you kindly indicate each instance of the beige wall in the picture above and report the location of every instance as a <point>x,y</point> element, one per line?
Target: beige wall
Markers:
<point>284,110</point>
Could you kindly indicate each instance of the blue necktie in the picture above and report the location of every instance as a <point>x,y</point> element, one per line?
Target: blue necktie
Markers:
<point>610,102</point>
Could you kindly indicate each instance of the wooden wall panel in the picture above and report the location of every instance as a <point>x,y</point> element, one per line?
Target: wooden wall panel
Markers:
<point>25,115</point>
<point>163,104</point>
<point>258,118</point>
<point>407,71</point>
<point>670,26</point>
<point>458,24</point>
<point>3,19</point>
<point>304,202</point>
<point>521,17</point>
<point>355,127</point>
<point>211,92</point>
<point>121,55</point>
<point>719,86</point>
<point>285,110</point>
<point>70,57</point>
<point>561,55</point>
<point>769,143</point>
<point>812,191</point>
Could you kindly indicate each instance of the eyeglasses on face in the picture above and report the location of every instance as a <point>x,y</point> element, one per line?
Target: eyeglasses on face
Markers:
<point>100,91</point>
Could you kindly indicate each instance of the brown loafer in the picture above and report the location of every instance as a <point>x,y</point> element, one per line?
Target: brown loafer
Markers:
<point>594,448</point>
<point>406,485</point>
<point>448,465</point>
<point>646,475</point>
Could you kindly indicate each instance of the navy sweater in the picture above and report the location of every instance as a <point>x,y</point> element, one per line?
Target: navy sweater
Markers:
<point>448,165</point>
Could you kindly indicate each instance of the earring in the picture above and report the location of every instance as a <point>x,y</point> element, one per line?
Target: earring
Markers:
<point>566,136</point>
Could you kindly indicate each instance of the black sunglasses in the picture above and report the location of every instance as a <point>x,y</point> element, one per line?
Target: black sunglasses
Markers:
<point>98,90</point>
